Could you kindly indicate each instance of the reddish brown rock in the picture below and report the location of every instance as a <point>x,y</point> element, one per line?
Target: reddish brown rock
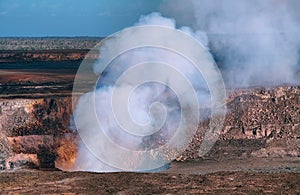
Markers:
<point>259,123</point>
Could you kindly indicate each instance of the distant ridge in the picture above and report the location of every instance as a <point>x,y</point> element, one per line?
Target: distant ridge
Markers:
<point>48,43</point>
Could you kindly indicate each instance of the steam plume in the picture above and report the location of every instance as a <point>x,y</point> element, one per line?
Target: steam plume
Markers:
<point>253,42</point>
<point>150,103</point>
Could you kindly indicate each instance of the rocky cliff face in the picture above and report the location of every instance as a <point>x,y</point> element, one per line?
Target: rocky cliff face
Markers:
<point>259,123</point>
<point>33,130</point>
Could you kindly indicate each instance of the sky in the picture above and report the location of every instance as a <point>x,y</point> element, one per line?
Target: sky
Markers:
<point>37,18</point>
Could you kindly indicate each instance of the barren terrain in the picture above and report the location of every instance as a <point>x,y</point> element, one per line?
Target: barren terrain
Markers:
<point>258,150</point>
<point>57,182</point>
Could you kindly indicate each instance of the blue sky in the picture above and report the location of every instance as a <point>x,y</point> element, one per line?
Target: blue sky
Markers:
<point>70,17</point>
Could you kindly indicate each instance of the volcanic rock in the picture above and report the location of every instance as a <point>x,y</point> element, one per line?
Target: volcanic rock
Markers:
<point>260,122</point>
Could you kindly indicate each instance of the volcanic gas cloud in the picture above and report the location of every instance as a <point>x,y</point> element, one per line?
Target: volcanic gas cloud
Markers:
<point>252,42</point>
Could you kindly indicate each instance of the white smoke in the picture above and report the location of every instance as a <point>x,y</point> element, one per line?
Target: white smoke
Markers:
<point>141,100</point>
<point>254,42</point>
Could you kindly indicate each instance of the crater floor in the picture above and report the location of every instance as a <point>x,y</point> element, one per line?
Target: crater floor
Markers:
<point>234,165</point>
<point>183,178</point>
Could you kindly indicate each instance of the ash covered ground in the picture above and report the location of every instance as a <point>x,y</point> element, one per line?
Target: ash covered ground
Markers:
<point>258,150</point>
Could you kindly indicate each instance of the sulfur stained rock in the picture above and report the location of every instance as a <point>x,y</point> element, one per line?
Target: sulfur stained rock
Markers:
<point>66,152</point>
